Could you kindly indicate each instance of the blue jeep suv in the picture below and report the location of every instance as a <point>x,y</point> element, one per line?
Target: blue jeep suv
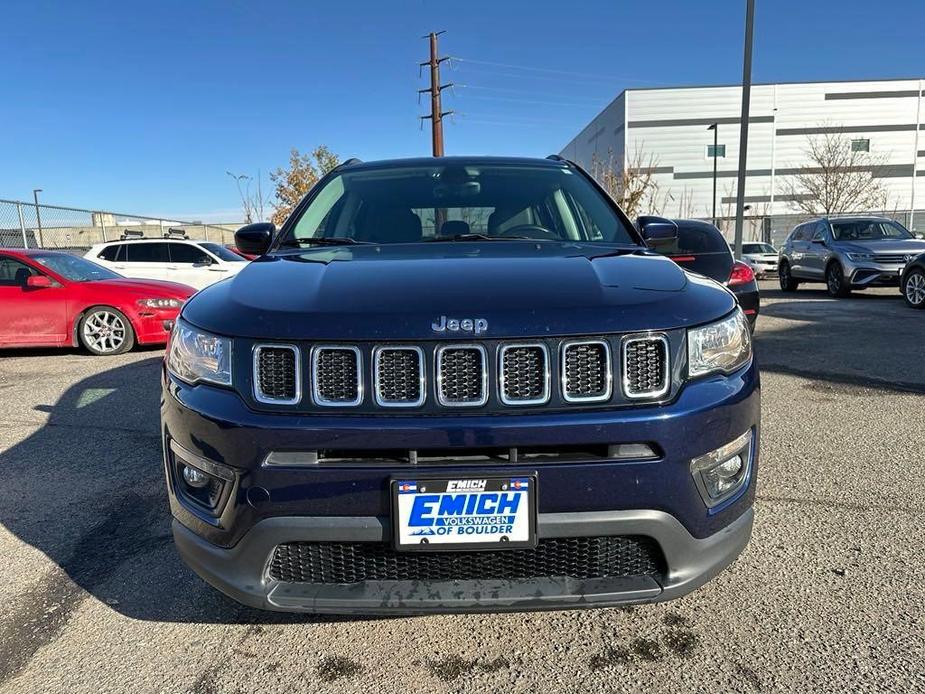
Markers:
<point>459,384</point>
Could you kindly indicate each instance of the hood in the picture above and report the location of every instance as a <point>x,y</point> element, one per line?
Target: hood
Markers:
<point>399,291</point>
<point>152,289</point>
<point>904,246</point>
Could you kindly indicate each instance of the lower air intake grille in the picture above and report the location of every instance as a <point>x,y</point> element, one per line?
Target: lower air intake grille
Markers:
<point>462,376</point>
<point>575,557</point>
<point>645,367</point>
<point>276,372</point>
<point>399,376</point>
<point>336,376</point>
<point>524,375</point>
<point>586,371</point>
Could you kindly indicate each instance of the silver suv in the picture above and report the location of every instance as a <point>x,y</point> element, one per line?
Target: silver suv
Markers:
<point>847,253</point>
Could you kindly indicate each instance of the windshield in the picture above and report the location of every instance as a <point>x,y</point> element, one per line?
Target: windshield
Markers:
<point>75,268</point>
<point>868,230</point>
<point>412,204</point>
<point>758,248</point>
<point>223,253</point>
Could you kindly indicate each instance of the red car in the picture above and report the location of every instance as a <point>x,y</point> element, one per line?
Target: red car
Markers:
<point>54,299</point>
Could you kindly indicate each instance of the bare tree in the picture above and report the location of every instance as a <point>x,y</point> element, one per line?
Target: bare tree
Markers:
<point>253,204</point>
<point>838,178</point>
<point>294,182</point>
<point>633,186</point>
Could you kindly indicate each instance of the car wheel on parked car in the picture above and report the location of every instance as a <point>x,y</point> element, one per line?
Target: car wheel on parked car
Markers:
<point>835,282</point>
<point>787,283</point>
<point>104,330</point>
<point>914,289</point>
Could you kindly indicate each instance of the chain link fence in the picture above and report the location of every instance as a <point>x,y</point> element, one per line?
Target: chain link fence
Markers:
<point>26,225</point>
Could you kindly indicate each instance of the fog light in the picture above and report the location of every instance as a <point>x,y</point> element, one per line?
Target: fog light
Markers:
<point>195,478</point>
<point>721,473</point>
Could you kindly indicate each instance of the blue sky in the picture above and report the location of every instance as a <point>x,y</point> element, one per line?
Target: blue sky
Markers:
<point>143,107</point>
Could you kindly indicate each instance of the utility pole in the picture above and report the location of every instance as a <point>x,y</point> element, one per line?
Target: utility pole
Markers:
<point>743,130</point>
<point>715,129</point>
<point>436,112</point>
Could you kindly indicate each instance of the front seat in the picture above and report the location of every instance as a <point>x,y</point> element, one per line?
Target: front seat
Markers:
<point>454,227</point>
<point>394,225</point>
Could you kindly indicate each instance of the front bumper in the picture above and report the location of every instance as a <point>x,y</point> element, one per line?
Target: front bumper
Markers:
<point>241,571</point>
<point>863,275</point>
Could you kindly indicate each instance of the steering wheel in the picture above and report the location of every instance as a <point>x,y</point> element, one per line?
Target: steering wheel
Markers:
<point>533,231</point>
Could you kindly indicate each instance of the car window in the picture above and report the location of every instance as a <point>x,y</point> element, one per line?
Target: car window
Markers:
<point>146,252</point>
<point>819,233</point>
<point>868,230</point>
<point>109,253</point>
<point>699,238</point>
<point>223,253</point>
<point>187,253</point>
<point>13,273</point>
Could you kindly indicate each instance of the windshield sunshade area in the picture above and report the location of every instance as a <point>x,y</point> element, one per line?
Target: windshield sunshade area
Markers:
<point>458,202</point>
<point>868,230</point>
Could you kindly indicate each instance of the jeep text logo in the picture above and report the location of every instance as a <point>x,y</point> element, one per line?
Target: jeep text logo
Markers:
<point>477,326</point>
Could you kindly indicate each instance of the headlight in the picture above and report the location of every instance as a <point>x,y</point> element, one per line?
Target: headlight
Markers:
<point>722,346</point>
<point>861,257</point>
<point>195,356</point>
<point>160,303</point>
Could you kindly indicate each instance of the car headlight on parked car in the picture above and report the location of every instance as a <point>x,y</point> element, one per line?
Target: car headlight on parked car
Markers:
<point>160,303</point>
<point>861,257</point>
<point>723,346</point>
<point>195,355</point>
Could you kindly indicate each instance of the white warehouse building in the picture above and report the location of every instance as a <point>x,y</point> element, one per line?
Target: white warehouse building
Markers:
<point>665,130</point>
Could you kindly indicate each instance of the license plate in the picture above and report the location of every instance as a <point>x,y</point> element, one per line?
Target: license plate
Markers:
<point>446,513</point>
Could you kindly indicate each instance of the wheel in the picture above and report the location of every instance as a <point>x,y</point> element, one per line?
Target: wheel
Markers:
<point>835,282</point>
<point>787,283</point>
<point>105,330</point>
<point>914,288</point>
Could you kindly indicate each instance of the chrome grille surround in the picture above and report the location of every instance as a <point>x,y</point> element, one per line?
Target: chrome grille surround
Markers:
<point>515,381</point>
<point>648,376</point>
<point>260,395</point>
<point>574,367</point>
<point>381,357</point>
<point>318,377</point>
<point>447,381</point>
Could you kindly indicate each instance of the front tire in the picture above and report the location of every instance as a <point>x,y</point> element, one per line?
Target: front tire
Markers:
<point>835,282</point>
<point>787,283</point>
<point>914,288</point>
<point>105,331</point>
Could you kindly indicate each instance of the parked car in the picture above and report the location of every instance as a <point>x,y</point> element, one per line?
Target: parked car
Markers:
<point>194,263</point>
<point>54,299</point>
<point>459,384</point>
<point>700,247</point>
<point>847,253</point>
<point>234,249</point>
<point>912,282</point>
<point>761,258</point>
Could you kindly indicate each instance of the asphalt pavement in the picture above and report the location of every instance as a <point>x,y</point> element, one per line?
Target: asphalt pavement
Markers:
<point>829,596</point>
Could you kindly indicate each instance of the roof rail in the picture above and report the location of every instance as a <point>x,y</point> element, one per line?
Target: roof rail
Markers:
<point>349,162</point>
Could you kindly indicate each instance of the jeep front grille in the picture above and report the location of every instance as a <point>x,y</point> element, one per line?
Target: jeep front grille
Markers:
<point>336,376</point>
<point>398,376</point>
<point>645,366</point>
<point>571,557</point>
<point>587,374</point>
<point>523,374</point>
<point>277,375</point>
<point>462,375</point>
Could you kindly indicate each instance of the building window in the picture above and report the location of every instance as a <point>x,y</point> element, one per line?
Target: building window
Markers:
<point>718,151</point>
<point>860,145</point>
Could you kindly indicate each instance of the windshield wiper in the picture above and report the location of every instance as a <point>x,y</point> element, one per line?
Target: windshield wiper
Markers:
<point>324,241</point>
<point>480,237</point>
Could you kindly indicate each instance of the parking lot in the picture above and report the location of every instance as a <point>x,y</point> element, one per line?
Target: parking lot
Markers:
<point>829,596</point>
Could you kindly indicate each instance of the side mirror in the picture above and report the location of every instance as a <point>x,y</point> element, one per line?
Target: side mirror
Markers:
<point>39,282</point>
<point>657,230</point>
<point>255,238</point>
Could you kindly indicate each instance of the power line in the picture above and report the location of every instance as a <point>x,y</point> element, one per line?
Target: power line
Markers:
<point>530,68</point>
<point>534,101</point>
<point>528,92</point>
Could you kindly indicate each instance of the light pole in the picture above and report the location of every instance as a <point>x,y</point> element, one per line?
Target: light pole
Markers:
<point>715,129</point>
<point>743,127</point>
<point>38,216</point>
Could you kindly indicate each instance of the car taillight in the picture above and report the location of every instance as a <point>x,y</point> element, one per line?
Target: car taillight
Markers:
<point>741,274</point>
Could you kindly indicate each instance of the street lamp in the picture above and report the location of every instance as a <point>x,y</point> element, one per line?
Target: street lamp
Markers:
<point>715,129</point>
<point>38,216</point>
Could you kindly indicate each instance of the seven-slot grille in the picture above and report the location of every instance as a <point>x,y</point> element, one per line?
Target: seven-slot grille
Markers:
<point>645,366</point>
<point>523,375</point>
<point>575,557</point>
<point>462,375</point>
<point>399,376</point>
<point>336,375</point>
<point>277,374</point>
<point>586,371</point>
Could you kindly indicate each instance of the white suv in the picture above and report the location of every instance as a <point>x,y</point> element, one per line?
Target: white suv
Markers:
<point>195,263</point>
